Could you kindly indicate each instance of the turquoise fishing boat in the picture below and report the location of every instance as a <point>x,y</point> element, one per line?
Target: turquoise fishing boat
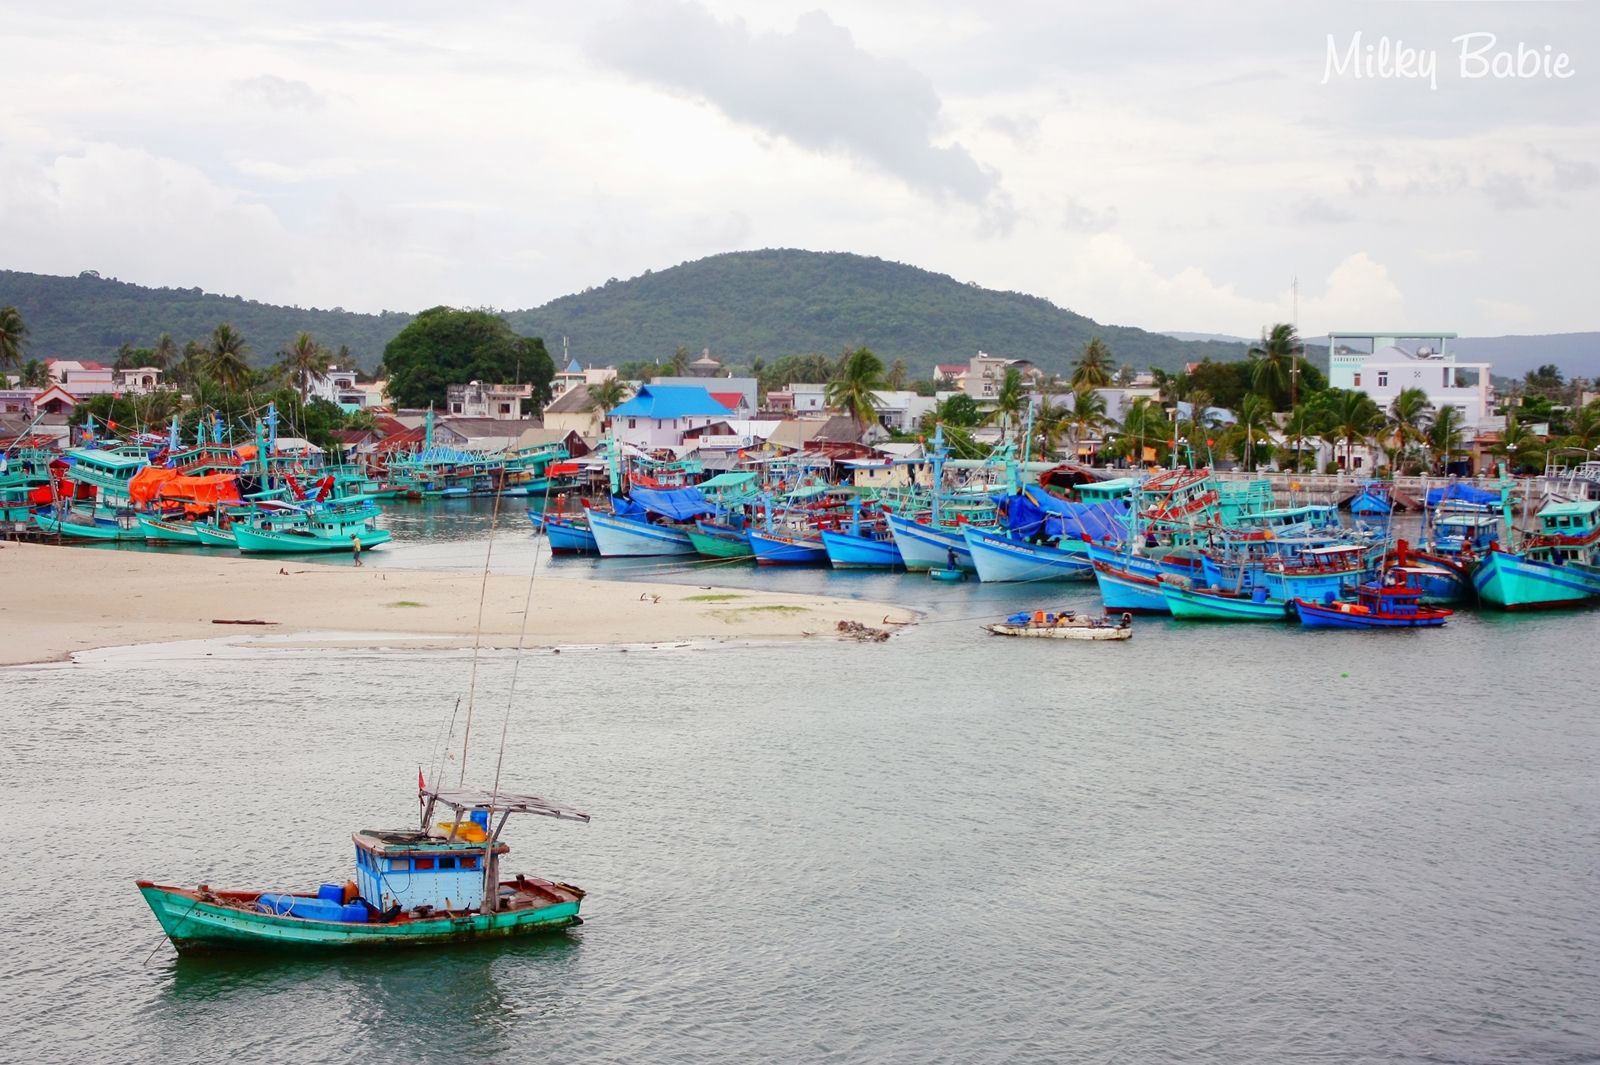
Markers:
<point>1559,566</point>
<point>433,885</point>
<point>715,539</point>
<point>1210,604</point>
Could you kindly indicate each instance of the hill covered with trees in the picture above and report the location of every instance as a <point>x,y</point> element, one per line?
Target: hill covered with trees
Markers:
<point>744,306</point>
<point>765,304</point>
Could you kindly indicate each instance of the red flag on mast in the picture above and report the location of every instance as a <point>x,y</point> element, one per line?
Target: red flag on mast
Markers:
<point>421,784</point>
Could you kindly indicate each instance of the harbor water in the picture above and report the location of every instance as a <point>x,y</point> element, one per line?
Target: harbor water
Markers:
<point>1214,843</point>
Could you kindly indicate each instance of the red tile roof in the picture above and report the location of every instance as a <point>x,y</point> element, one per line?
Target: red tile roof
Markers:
<point>731,400</point>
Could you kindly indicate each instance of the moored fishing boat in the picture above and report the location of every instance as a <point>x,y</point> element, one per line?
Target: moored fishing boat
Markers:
<point>432,885</point>
<point>786,548</point>
<point>1211,604</point>
<point>1557,567</point>
<point>1063,625</point>
<point>714,539</point>
<point>998,557</point>
<point>635,536</point>
<point>1124,589</point>
<point>567,533</point>
<point>1394,604</point>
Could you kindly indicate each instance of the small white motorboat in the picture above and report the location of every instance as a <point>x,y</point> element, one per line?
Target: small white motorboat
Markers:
<point>1064,625</point>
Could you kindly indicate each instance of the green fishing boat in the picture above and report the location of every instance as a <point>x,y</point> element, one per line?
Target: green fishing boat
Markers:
<point>433,885</point>
<point>1208,604</point>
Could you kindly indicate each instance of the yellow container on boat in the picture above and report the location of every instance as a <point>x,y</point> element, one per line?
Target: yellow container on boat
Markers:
<point>470,831</point>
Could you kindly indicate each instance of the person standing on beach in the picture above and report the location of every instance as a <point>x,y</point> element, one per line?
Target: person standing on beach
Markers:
<point>355,547</point>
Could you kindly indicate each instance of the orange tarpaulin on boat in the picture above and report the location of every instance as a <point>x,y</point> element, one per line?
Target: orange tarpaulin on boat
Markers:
<point>210,489</point>
<point>245,452</point>
<point>146,484</point>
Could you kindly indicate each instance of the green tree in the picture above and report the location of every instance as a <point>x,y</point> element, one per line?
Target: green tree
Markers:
<point>1444,436</point>
<point>1546,381</point>
<point>897,374</point>
<point>1225,382</point>
<point>1355,417</point>
<point>1010,403</point>
<point>34,374</point>
<point>443,346</point>
<point>13,337</point>
<point>165,351</point>
<point>1088,416</point>
<point>1584,428</point>
<point>305,362</point>
<point>1406,422</point>
<point>1300,429</point>
<point>225,358</point>
<point>1524,452</point>
<point>860,374</point>
<point>1252,426</point>
<point>1144,426</point>
<point>1272,364</point>
<point>959,411</point>
<point>1051,422</point>
<point>1094,366</point>
<point>680,361</point>
<point>608,395</point>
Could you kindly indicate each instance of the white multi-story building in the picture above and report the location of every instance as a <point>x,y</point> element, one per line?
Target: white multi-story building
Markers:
<point>1383,364</point>
<point>478,400</point>
<point>985,375</point>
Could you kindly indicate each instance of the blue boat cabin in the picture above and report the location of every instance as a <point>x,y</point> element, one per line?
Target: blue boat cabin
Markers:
<point>411,869</point>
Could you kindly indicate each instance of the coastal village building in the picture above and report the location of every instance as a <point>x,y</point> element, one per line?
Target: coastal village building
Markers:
<point>84,378</point>
<point>985,374</point>
<point>573,410</point>
<point>658,415</point>
<point>575,376</point>
<point>798,398</point>
<point>902,411</point>
<point>339,386</point>
<point>478,400</point>
<point>748,388</point>
<point>1382,364</point>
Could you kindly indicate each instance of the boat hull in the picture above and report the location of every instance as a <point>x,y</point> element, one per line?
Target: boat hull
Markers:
<point>195,925</point>
<point>214,535</point>
<point>162,530</point>
<point>772,549</point>
<point>1001,560</point>
<point>566,536</point>
<point>1063,632</point>
<point>720,543</point>
<point>923,547</point>
<point>253,540</point>
<point>1322,616</point>
<point>616,537</point>
<point>1513,582</point>
<point>103,530</point>
<point>1122,589</point>
<point>1198,605</point>
<point>848,551</point>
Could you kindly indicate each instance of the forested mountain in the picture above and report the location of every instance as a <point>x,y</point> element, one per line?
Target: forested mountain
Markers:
<point>761,304</point>
<point>742,305</point>
<point>90,317</point>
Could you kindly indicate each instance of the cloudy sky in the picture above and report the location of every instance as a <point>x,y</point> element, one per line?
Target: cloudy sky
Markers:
<point>1145,164</point>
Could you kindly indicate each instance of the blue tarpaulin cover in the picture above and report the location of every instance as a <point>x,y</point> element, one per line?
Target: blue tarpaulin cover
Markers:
<point>677,504</point>
<point>1462,493</point>
<point>1033,509</point>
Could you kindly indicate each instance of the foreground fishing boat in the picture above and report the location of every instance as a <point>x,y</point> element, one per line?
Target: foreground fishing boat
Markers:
<point>1064,625</point>
<point>1559,566</point>
<point>1376,606</point>
<point>433,885</point>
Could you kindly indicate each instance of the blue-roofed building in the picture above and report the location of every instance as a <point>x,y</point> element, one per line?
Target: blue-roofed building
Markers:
<point>658,415</point>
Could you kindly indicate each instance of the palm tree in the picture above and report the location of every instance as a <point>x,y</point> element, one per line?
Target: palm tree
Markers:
<point>164,352</point>
<point>1272,362</point>
<point>1407,419</point>
<point>1252,423</point>
<point>1519,445</point>
<point>1585,428</point>
<point>680,361</point>
<point>1355,417</point>
<point>1094,366</point>
<point>35,374</point>
<point>860,374</point>
<point>1444,435</point>
<point>607,396</point>
<point>13,337</point>
<point>306,361</point>
<point>1010,402</point>
<point>224,360</point>
<point>897,374</point>
<point>1144,425</point>
<point>1299,429</point>
<point>1088,415</point>
<point>1051,421</point>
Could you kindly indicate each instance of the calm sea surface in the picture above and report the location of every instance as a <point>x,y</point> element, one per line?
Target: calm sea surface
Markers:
<point>1211,844</point>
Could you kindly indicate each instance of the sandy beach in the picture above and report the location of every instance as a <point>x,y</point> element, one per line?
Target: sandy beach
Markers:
<point>59,600</point>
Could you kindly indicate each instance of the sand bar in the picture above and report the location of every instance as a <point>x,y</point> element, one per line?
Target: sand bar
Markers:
<point>58,600</point>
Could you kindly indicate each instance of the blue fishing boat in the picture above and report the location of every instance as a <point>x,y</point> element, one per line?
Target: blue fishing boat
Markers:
<point>1212,604</point>
<point>1558,566</point>
<point>925,546</point>
<point>1393,604</point>
<point>1123,589</point>
<point>567,533</point>
<point>635,536</point>
<point>999,557</point>
<point>774,548</point>
<point>861,544</point>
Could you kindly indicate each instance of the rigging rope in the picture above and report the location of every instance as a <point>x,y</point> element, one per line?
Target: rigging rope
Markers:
<point>477,638</point>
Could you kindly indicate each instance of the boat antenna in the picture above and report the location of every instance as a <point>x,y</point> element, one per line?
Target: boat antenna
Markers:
<point>477,639</point>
